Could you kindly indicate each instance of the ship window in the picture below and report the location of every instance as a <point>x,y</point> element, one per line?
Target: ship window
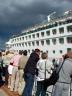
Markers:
<point>33,35</point>
<point>61,40</point>
<point>17,39</point>
<point>26,37</point>
<point>61,30</point>
<point>29,36</point>
<point>61,51</point>
<point>48,42</point>
<point>42,42</point>
<point>54,41</point>
<point>29,43</point>
<point>33,43</point>
<point>23,44</point>
<point>13,45</point>
<point>69,28</point>
<point>19,44</point>
<point>69,49</point>
<point>37,34</point>
<point>22,38</point>
<point>29,51</point>
<point>37,42</point>
<point>54,31</point>
<point>42,34</point>
<point>54,51</point>
<point>69,39</point>
<point>61,22</point>
<point>47,33</point>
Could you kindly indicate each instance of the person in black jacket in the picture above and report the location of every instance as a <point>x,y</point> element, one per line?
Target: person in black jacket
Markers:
<point>30,71</point>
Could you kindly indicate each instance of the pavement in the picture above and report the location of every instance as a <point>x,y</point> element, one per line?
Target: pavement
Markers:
<point>5,91</point>
<point>2,93</point>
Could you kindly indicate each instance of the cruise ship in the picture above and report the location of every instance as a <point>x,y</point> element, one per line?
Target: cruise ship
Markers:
<point>53,37</point>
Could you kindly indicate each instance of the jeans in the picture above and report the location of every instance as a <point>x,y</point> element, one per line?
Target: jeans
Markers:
<point>29,81</point>
<point>40,89</point>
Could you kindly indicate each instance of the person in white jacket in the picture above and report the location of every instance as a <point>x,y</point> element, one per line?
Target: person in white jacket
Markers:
<point>44,66</point>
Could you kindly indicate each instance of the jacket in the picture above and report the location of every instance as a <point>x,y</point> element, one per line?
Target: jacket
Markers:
<point>31,64</point>
<point>44,65</point>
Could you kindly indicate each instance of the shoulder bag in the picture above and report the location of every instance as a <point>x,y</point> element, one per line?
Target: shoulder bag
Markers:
<point>53,78</point>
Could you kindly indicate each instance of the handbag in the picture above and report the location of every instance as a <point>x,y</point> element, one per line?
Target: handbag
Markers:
<point>10,68</point>
<point>53,78</point>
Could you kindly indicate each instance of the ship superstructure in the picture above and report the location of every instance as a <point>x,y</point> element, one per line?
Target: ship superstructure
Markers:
<point>54,37</point>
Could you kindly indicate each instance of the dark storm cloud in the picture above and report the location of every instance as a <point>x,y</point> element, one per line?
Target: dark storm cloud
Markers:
<point>16,15</point>
<point>16,12</point>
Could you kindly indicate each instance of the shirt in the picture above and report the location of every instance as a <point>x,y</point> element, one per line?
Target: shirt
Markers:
<point>15,60</point>
<point>41,69</point>
<point>22,61</point>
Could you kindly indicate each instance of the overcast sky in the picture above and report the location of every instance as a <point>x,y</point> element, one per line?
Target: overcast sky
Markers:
<point>16,15</point>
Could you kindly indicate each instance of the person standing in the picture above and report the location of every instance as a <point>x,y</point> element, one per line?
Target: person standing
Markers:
<point>10,67</point>
<point>61,88</point>
<point>6,62</point>
<point>15,74</point>
<point>29,72</point>
<point>44,67</point>
<point>22,62</point>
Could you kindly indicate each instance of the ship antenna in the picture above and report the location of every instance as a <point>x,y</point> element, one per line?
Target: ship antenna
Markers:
<point>49,16</point>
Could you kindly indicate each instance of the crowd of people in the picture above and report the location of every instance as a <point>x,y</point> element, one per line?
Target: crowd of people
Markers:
<point>11,67</point>
<point>18,72</point>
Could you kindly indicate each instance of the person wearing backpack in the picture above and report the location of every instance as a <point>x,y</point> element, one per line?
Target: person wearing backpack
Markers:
<point>61,88</point>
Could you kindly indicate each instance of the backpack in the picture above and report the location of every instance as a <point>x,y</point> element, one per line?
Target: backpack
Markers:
<point>53,78</point>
